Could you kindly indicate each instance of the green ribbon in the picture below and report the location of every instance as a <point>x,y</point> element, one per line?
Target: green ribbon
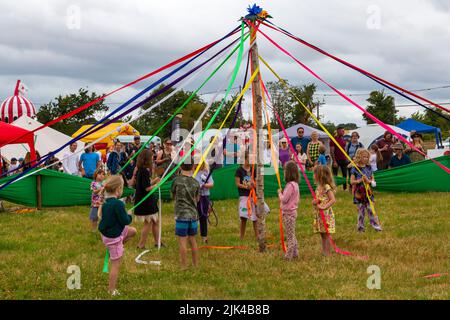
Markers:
<point>230,85</point>
<point>105,263</point>
<point>190,98</point>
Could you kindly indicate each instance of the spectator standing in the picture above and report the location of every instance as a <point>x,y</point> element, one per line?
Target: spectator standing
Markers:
<point>300,138</point>
<point>70,160</point>
<point>339,159</point>
<point>385,146</point>
<point>89,162</point>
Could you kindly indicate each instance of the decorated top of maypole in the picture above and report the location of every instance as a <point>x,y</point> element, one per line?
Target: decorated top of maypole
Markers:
<point>256,13</point>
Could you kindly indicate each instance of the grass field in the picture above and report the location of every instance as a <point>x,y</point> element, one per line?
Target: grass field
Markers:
<point>37,248</point>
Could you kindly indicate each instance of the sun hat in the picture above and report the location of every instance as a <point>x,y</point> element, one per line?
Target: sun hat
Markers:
<point>397,146</point>
<point>283,140</point>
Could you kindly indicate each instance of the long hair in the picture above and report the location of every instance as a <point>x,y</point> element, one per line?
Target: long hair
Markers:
<point>323,176</point>
<point>358,156</point>
<point>291,172</point>
<point>375,148</point>
<point>145,159</point>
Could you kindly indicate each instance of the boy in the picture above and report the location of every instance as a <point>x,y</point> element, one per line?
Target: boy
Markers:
<point>322,160</point>
<point>186,193</point>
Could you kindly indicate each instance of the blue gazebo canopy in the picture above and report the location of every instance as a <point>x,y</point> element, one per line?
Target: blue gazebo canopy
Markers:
<point>411,124</point>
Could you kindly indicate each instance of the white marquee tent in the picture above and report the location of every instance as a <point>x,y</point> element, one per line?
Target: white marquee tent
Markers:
<point>373,132</point>
<point>46,140</point>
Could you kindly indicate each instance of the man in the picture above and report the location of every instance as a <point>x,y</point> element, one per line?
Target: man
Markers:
<point>337,156</point>
<point>135,146</point>
<point>301,139</point>
<point>399,159</point>
<point>70,160</point>
<point>89,162</point>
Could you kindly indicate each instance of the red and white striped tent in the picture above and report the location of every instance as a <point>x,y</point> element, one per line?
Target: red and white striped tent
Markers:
<point>14,107</point>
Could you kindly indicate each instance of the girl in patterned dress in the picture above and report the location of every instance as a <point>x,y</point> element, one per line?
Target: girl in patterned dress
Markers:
<point>313,149</point>
<point>289,198</point>
<point>325,199</point>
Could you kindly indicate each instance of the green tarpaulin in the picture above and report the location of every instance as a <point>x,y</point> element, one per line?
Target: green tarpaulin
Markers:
<point>225,187</point>
<point>420,176</point>
<point>58,190</point>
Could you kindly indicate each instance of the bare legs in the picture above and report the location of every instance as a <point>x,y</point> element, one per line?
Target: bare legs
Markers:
<point>243,226</point>
<point>152,225</point>
<point>183,241</point>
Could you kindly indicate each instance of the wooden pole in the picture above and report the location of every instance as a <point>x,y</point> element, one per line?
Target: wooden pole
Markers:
<point>256,88</point>
<point>38,192</point>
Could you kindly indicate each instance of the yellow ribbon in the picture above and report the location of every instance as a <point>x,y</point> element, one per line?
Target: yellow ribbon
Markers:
<point>326,131</point>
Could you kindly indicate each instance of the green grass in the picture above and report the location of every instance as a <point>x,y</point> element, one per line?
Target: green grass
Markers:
<point>37,248</point>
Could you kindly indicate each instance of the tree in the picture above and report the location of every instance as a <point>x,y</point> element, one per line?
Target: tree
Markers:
<point>348,126</point>
<point>382,106</point>
<point>432,119</point>
<point>289,109</point>
<point>64,104</point>
<point>149,123</point>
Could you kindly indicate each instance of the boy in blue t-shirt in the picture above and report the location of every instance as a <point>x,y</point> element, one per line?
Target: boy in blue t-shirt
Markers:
<point>322,160</point>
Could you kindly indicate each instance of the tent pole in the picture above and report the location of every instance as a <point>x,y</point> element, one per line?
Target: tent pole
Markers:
<point>39,192</point>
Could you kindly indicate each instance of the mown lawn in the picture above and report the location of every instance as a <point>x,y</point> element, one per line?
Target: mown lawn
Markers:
<point>37,248</point>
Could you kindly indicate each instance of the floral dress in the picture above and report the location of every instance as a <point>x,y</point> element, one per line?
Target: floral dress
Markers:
<point>318,226</point>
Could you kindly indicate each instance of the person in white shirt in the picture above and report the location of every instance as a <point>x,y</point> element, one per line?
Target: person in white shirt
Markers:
<point>70,161</point>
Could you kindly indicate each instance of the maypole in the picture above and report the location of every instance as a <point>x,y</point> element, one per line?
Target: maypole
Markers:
<point>256,13</point>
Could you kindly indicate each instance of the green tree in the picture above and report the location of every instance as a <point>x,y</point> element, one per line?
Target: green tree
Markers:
<point>432,119</point>
<point>348,126</point>
<point>150,122</point>
<point>64,104</point>
<point>382,106</point>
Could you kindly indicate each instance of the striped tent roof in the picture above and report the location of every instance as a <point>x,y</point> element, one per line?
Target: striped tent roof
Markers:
<point>16,106</point>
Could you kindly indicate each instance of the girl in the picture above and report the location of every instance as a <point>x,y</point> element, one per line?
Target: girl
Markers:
<point>245,182</point>
<point>313,149</point>
<point>114,227</point>
<point>300,154</point>
<point>418,143</point>
<point>375,157</point>
<point>147,211</point>
<point>289,199</point>
<point>325,199</point>
<point>360,197</point>
<point>206,183</point>
<point>97,197</point>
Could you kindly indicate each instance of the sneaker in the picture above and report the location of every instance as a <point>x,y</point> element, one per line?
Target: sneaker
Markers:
<point>115,293</point>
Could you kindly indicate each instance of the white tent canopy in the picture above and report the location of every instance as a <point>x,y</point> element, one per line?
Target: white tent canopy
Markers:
<point>373,132</point>
<point>46,140</point>
<point>292,132</point>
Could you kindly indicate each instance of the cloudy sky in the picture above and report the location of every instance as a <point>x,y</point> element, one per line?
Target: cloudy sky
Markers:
<point>56,47</point>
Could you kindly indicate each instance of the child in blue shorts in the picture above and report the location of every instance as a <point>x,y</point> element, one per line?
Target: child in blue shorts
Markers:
<point>186,193</point>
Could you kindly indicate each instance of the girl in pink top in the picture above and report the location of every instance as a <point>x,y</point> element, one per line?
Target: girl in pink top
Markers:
<point>289,199</point>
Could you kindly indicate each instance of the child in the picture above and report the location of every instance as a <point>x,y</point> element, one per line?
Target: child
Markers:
<point>97,197</point>
<point>206,182</point>
<point>375,157</point>
<point>322,159</point>
<point>325,199</point>
<point>289,199</point>
<point>147,211</point>
<point>245,183</point>
<point>301,155</point>
<point>186,193</point>
<point>360,198</point>
<point>114,227</point>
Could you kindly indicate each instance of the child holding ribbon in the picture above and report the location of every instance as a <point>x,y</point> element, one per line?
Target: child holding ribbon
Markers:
<point>360,195</point>
<point>324,224</point>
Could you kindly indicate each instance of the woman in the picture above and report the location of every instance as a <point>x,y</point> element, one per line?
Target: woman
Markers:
<point>385,147</point>
<point>353,145</point>
<point>147,211</point>
<point>418,143</point>
<point>164,157</point>
<point>313,149</point>
<point>284,154</point>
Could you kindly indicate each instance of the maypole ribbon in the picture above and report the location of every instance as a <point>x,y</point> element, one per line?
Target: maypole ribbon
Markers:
<point>383,82</point>
<point>152,107</point>
<point>366,186</point>
<point>171,64</point>
<point>106,261</point>
<point>120,116</point>
<point>383,125</point>
<point>180,108</point>
<point>336,248</point>
<point>275,164</point>
<point>233,78</point>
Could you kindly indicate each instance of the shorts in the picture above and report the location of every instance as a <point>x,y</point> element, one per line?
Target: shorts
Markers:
<point>93,214</point>
<point>147,218</point>
<point>115,245</point>
<point>185,228</point>
<point>243,209</point>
